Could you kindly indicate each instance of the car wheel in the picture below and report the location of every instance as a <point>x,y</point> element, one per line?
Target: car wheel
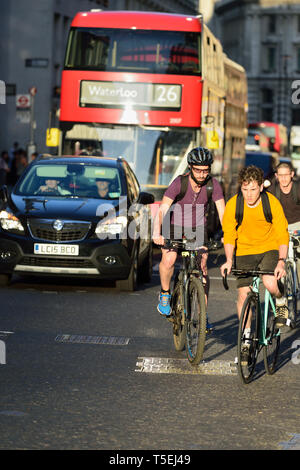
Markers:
<point>130,284</point>
<point>147,266</point>
<point>5,279</point>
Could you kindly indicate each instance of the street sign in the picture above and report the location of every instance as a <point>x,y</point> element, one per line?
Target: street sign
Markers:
<point>23,101</point>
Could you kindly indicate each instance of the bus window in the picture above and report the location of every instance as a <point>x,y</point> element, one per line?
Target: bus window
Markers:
<point>134,50</point>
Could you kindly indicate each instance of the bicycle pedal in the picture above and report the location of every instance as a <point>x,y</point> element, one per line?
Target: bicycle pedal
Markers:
<point>170,318</point>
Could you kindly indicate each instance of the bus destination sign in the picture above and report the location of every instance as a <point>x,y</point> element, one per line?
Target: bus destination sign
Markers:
<point>138,95</point>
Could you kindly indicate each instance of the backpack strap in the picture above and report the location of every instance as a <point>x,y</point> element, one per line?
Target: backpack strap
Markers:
<point>184,180</point>
<point>239,209</point>
<point>209,191</point>
<point>277,190</point>
<point>266,206</point>
<point>295,192</point>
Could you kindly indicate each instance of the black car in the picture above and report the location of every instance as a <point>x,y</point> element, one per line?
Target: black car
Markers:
<point>77,216</point>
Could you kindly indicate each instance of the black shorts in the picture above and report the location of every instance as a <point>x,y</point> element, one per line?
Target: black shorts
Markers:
<point>265,261</point>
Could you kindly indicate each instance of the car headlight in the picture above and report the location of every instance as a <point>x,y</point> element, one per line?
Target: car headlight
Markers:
<point>112,227</point>
<point>10,222</point>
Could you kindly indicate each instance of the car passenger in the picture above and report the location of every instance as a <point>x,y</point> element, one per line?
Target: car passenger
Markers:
<point>102,188</point>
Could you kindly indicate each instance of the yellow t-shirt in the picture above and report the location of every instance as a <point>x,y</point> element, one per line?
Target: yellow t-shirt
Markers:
<point>255,235</point>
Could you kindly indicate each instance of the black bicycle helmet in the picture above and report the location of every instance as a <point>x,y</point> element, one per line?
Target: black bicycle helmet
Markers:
<point>200,156</point>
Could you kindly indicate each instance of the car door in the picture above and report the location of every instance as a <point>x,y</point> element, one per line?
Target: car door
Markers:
<point>138,213</point>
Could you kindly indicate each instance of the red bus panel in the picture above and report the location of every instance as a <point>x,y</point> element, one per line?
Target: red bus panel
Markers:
<point>92,99</point>
<point>137,20</point>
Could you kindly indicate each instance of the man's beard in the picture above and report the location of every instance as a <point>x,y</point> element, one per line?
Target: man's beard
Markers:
<point>199,183</point>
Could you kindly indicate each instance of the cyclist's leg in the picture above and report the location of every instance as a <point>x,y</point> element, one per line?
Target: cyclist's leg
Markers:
<point>269,263</point>
<point>166,267</point>
<point>243,282</point>
<point>202,262</point>
<point>166,270</point>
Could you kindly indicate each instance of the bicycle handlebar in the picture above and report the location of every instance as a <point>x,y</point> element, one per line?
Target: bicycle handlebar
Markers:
<point>183,245</point>
<point>251,272</point>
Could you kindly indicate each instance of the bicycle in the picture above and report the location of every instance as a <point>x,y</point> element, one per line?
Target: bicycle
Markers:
<point>291,279</point>
<point>188,306</point>
<point>261,320</point>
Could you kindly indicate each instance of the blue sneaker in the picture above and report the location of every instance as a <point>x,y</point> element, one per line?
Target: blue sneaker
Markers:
<point>164,307</point>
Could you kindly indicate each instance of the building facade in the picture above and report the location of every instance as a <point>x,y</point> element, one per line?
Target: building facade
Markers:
<point>264,37</point>
<point>33,35</point>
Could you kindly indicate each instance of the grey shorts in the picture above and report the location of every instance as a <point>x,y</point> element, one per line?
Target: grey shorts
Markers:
<point>265,261</point>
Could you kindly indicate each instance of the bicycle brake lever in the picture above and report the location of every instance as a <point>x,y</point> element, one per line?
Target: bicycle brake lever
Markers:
<point>280,285</point>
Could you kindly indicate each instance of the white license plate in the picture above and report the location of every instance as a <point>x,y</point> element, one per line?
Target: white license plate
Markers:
<point>49,249</point>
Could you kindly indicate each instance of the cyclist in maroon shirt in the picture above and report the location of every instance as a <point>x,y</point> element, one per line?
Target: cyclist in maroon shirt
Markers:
<point>188,219</point>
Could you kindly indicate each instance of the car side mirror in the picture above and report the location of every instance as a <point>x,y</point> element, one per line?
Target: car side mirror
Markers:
<point>145,198</point>
<point>3,197</point>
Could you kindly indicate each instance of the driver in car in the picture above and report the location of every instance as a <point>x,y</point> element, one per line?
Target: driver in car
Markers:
<point>51,186</point>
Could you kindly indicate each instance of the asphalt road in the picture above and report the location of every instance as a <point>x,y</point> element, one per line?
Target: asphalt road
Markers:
<point>88,367</point>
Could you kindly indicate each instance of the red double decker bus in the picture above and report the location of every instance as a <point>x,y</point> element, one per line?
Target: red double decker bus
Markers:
<point>149,87</point>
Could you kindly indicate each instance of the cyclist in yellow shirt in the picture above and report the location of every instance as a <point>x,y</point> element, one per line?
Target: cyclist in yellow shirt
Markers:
<point>256,242</point>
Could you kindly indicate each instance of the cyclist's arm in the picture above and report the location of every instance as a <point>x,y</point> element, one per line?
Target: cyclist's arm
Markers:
<point>279,271</point>
<point>220,205</point>
<point>229,253</point>
<point>230,234</point>
<point>163,209</point>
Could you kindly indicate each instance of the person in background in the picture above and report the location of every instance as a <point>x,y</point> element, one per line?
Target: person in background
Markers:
<point>4,168</point>
<point>34,155</point>
<point>12,153</point>
<point>287,189</point>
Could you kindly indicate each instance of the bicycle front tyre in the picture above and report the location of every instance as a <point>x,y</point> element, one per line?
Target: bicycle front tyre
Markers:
<point>291,292</point>
<point>249,318</point>
<point>196,321</point>
<point>179,323</point>
<point>271,349</point>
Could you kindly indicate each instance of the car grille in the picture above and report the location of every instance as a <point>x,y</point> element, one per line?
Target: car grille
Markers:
<point>55,262</point>
<point>71,231</point>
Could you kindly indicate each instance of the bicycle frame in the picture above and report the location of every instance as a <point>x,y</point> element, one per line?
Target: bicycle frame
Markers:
<point>292,257</point>
<point>263,340</point>
<point>189,320</point>
<point>188,268</point>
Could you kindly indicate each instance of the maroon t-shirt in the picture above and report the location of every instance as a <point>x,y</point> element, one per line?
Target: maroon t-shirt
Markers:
<point>190,210</point>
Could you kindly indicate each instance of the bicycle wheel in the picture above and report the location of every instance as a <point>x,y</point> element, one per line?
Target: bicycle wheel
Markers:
<point>272,336</point>
<point>179,323</point>
<point>196,321</point>
<point>250,319</point>
<point>291,292</point>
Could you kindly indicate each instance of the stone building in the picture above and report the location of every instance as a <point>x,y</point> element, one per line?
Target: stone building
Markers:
<point>33,36</point>
<point>264,37</point>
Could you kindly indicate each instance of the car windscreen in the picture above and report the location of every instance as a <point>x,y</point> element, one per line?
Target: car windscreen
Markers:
<point>72,179</point>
